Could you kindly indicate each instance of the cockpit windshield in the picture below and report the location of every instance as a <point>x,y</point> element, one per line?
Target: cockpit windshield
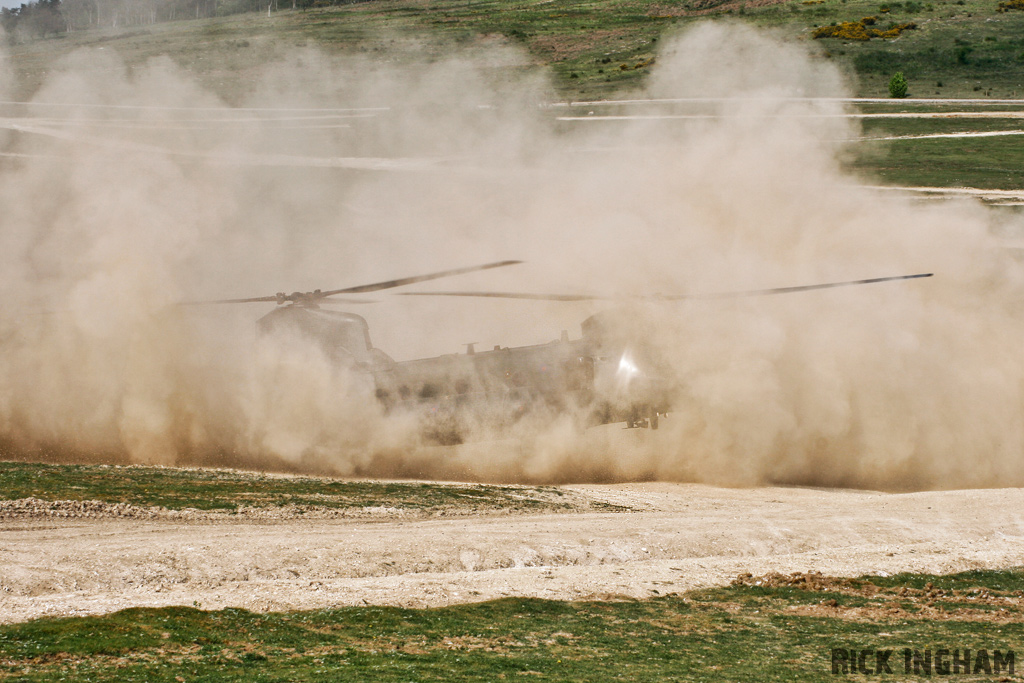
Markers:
<point>341,336</point>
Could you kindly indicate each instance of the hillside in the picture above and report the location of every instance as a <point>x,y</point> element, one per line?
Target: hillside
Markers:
<point>958,48</point>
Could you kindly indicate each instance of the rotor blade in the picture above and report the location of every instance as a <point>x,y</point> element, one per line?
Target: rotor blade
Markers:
<point>791,290</point>
<point>262,299</point>
<point>514,295</point>
<point>344,302</point>
<point>388,284</point>
<point>258,299</point>
<point>318,296</point>
<point>669,297</point>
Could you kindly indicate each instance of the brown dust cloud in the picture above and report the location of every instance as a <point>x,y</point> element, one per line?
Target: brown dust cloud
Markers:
<point>127,190</point>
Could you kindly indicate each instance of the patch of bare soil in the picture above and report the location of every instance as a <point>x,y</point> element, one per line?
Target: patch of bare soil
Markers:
<point>1005,197</point>
<point>893,603</point>
<point>705,7</point>
<point>679,537</point>
<point>810,581</point>
<point>29,508</point>
<point>560,46</point>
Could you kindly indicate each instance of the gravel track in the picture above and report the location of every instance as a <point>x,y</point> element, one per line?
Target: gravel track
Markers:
<point>678,537</point>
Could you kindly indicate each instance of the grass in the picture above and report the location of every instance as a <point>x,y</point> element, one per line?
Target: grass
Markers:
<point>896,127</point>
<point>593,48</point>
<point>781,630</point>
<point>205,489</point>
<point>993,163</point>
<point>605,49</point>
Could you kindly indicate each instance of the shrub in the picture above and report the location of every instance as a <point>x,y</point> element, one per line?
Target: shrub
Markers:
<point>848,30</point>
<point>858,30</point>
<point>898,85</point>
<point>894,31</point>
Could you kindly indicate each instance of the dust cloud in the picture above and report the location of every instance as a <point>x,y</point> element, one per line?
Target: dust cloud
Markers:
<point>127,190</point>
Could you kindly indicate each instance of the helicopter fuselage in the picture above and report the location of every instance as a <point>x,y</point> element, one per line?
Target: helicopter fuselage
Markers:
<point>594,381</point>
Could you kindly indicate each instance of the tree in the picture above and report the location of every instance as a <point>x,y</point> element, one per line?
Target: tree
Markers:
<point>33,20</point>
<point>898,85</point>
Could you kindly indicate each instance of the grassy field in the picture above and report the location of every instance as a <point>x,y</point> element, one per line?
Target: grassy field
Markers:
<point>205,489</point>
<point>776,628</point>
<point>594,49</point>
<point>994,162</point>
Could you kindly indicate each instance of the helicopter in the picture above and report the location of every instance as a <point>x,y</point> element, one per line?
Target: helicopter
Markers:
<point>606,376</point>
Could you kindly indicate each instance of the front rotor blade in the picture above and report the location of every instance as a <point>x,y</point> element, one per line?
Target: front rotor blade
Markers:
<point>389,284</point>
<point>258,299</point>
<point>307,298</point>
<point>344,302</point>
<point>514,295</point>
<point>669,297</point>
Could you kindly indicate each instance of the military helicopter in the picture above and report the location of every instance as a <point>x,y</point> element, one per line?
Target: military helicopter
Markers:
<point>605,376</point>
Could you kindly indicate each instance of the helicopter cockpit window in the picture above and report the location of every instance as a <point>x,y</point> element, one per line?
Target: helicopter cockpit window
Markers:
<point>344,340</point>
<point>341,339</point>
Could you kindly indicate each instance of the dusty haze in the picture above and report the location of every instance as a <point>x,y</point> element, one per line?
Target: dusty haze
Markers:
<point>129,191</point>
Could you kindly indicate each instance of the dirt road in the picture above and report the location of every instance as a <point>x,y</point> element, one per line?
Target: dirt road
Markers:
<point>677,537</point>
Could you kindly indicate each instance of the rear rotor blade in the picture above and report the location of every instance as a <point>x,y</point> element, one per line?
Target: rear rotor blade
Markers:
<point>669,297</point>
<point>792,290</point>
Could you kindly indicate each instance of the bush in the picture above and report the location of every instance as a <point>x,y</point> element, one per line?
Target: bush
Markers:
<point>858,30</point>
<point>898,85</point>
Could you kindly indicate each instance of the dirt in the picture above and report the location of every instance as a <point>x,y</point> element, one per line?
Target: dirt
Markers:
<point>1007,197</point>
<point>28,508</point>
<point>892,603</point>
<point>677,538</point>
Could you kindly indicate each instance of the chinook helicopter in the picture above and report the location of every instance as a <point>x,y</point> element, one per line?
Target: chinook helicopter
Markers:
<point>606,376</point>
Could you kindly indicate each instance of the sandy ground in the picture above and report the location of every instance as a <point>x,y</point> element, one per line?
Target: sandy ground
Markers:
<point>678,537</point>
<point>992,196</point>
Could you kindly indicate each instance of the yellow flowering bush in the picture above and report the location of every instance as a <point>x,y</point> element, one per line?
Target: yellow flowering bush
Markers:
<point>858,30</point>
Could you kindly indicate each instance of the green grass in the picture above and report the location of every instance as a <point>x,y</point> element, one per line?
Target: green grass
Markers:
<point>740,633</point>
<point>604,49</point>
<point>994,162</point>
<point>593,48</point>
<point>205,489</point>
<point>894,127</point>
